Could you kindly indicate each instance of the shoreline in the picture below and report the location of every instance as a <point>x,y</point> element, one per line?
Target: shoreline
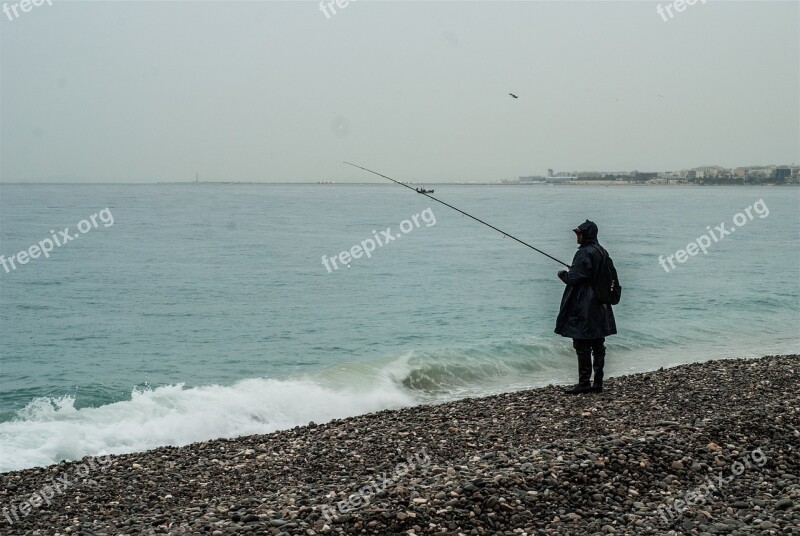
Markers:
<point>631,460</point>
<point>597,182</point>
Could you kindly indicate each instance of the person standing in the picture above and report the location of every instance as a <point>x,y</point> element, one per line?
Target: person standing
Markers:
<point>581,316</point>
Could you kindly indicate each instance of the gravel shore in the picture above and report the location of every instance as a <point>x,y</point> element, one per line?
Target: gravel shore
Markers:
<point>706,448</point>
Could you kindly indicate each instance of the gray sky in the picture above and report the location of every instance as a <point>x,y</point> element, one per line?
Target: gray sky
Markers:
<point>275,91</point>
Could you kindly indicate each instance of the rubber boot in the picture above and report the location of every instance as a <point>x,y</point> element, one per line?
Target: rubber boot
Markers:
<point>599,352</point>
<point>579,388</point>
<point>584,370</point>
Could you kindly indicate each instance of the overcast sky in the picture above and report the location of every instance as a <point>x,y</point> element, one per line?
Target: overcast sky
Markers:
<point>276,91</point>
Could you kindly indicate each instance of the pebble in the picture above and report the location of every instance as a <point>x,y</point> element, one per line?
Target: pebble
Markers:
<point>532,462</point>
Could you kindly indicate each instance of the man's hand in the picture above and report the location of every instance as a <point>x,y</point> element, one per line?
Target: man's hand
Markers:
<point>561,274</point>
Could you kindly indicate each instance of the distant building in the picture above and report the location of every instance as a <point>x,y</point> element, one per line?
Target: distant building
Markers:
<point>758,174</point>
<point>706,175</point>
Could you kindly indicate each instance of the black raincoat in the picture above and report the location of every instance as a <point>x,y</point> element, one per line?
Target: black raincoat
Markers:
<point>581,316</point>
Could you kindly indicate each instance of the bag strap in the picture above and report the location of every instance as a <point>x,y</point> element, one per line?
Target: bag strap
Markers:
<point>599,249</point>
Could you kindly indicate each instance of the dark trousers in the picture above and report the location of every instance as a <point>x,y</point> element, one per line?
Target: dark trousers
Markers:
<point>585,348</point>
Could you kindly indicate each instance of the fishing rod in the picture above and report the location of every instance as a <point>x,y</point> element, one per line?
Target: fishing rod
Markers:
<point>461,211</point>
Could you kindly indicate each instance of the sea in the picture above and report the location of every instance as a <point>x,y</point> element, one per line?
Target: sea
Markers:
<point>177,313</point>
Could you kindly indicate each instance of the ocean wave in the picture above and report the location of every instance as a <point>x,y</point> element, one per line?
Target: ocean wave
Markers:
<point>50,429</point>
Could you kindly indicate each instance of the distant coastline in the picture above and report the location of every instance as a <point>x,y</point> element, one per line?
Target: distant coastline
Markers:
<point>475,183</point>
<point>769,175</point>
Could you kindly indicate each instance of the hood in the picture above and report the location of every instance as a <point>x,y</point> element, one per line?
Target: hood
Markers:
<point>588,230</point>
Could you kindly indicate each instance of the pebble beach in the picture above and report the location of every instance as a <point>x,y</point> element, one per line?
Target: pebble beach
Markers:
<point>704,448</point>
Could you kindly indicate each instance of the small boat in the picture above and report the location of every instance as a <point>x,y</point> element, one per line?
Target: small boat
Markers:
<point>424,191</point>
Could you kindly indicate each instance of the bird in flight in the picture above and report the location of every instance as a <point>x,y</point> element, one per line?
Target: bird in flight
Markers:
<point>513,95</point>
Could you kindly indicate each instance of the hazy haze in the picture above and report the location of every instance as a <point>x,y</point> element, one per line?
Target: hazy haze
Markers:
<point>275,91</point>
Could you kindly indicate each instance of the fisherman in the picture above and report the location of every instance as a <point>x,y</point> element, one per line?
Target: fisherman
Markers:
<point>582,317</point>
